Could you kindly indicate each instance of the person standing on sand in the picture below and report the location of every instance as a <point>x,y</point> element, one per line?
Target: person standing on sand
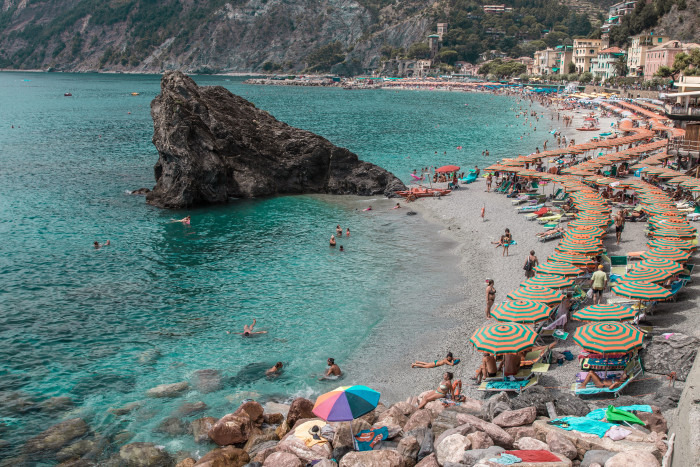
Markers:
<point>619,226</point>
<point>530,264</point>
<point>599,280</point>
<point>489,180</point>
<point>490,296</point>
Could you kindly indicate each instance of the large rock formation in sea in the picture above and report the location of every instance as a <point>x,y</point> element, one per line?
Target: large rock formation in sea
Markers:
<point>214,146</point>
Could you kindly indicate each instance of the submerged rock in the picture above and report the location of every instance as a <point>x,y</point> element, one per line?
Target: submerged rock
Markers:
<point>168,390</point>
<point>145,455</point>
<point>57,436</point>
<point>214,145</point>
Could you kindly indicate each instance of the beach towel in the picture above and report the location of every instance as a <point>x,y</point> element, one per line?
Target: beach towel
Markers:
<point>613,414</point>
<point>602,364</point>
<point>506,459</point>
<point>582,424</point>
<point>617,433</point>
<point>366,440</point>
<point>534,456</point>
<point>303,432</point>
<point>507,384</point>
<point>599,414</point>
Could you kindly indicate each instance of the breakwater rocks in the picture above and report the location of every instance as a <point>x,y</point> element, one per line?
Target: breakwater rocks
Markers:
<point>283,435</point>
<point>214,146</point>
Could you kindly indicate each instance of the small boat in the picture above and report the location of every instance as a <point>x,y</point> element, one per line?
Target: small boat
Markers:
<point>67,94</point>
<point>134,93</point>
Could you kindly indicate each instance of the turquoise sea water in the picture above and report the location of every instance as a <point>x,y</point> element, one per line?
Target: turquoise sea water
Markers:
<point>104,326</point>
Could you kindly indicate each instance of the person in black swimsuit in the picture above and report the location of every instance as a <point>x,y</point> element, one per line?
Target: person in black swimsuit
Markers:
<point>490,297</point>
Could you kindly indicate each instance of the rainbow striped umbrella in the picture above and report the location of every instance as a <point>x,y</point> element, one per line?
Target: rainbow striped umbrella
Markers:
<point>536,293</point>
<point>559,269</point>
<point>672,233</point>
<point>580,248</point>
<point>346,403</point>
<point>503,338</point>
<point>608,337</point>
<point>642,273</point>
<point>521,311</point>
<point>659,263</point>
<point>608,312</point>
<point>553,282</point>
<point>672,242</point>
<point>667,252</point>
<point>642,291</point>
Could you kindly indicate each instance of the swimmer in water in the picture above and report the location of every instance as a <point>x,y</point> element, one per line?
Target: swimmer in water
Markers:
<point>184,220</point>
<point>347,232</point>
<point>398,206</point>
<point>333,369</point>
<point>98,246</point>
<point>339,231</point>
<point>332,240</point>
<point>341,248</point>
<point>275,370</point>
<point>369,208</point>
<point>248,330</point>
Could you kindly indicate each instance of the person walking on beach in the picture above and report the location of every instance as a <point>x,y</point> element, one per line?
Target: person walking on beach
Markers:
<point>530,264</point>
<point>489,180</point>
<point>599,280</point>
<point>619,226</point>
<point>490,296</point>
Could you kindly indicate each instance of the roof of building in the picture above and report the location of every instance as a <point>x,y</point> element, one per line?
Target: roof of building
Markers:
<point>612,50</point>
<point>675,45</point>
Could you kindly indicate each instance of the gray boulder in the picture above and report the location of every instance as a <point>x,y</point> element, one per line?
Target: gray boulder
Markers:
<point>214,145</point>
<point>497,404</point>
<point>675,354</point>
<point>145,455</point>
<point>596,456</point>
<point>57,436</point>
<point>168,390</point>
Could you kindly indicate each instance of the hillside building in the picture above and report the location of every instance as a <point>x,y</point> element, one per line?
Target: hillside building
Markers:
<point>585,50</point>
<point>615,14</point>
<point>565,55</point>
<point>664,55</point>
<point>441,29</point>
<point>433,44</point>
<point>545,62</point>
<point>604,63</point>
<point>637,51</point>
<point>496,9</point>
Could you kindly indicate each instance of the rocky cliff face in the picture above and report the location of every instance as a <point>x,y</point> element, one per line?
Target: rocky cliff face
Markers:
<point>214,145</point>
<point>204,36</point>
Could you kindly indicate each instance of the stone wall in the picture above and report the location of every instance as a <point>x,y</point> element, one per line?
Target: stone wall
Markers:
<point>686,420</point>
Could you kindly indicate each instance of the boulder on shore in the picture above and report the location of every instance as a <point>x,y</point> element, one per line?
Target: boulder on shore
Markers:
<point>214,145</point>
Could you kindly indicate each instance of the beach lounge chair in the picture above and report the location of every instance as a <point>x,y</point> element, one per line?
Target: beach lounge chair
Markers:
<point>470,178</point>
<point>618,265</point>
<point>539,213</point>
<point>558,202</point>
<point>632,370</point>
<point>548,219</point>
<point>520,200</point>
<point>530,209</point>
<point>676,288</point>
<point>600,362</point>
<point>509,386</point>
<point>536,356</point>
<point>558,193</point>
<point>503,188</point>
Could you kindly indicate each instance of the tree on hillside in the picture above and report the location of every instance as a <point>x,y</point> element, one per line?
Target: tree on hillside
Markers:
<point>419,50</point>
<point>571,67</point>
<point>325,57</point>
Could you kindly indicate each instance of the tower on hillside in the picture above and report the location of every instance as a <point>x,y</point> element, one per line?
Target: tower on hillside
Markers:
<point>433,44</point>
<point>441,29</point>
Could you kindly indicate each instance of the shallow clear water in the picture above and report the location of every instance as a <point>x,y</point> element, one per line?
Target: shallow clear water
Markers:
<point>102,327</point>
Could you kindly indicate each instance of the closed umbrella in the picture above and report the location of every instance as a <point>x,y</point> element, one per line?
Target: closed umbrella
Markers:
<point>502,338</point>
<point>639,290</point>
<point>553,282</point>
<point>560,269</point>
<point>607,312</point>
<point>346,403</point>
<point>521,311</point>
<point>537,293</point>
<point>608,337</point>
<point>667,252</point>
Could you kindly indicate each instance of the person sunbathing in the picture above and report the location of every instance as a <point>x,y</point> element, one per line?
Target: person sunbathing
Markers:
<point>444,390</point>
<point>599,383</point>
<point>488,368</point>
<point>448,360</point>
<point>550,232</point>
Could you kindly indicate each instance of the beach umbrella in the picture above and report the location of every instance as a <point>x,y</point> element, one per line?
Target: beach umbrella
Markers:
<point>559,269</point>
<point>608,337</point>
<point>346,403</point>
<point>503,338</point>
<point>639,290</point>
<point>571,258</point>
<point>671,242</point>
<point>600,223</point>
<point>447,169</point>
<point>521,311</point>
<point>666,264</point>
<point>553,282</point>
<point>577,248</point>
<point>667,252</point>
<point>591,230</point>
<point>661,221</point>
<point>536,293</point>
<point>607,312</point>
<point>673,233</point>
<point>643,273</point>
<point>657,208</point>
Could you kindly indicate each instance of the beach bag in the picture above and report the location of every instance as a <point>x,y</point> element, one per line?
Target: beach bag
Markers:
<point>589,294</point>
<point>528,265</point>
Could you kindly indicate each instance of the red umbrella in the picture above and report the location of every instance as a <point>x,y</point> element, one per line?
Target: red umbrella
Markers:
<point>447,169</point>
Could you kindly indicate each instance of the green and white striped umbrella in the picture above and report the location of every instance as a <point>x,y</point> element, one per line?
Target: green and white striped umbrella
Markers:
<point>503,338</point>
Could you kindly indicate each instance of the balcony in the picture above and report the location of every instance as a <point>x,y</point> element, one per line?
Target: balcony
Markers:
<point>679,112</point>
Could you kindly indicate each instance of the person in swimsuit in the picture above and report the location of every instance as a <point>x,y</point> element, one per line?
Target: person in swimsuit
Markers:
<point>398,206</point>
<point>369,208</point>
<point>619,226</point>
<point>347,232</point>
<point>599,383</point>
<point>333,370</point>
<point>339,231</point>
<point>184,220</point>
<point>444,390</point>
<point>98,246</point>
<point>489,180</point>
<point>448,360</point>
<point>488,368</point>
<point>275,370</point>
<point>248,330</point>
<point>341,248</point>
<point>490,297</point>
<point>332,240</point>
